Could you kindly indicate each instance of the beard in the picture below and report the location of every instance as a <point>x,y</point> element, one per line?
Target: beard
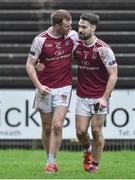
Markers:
<point>83,36</point>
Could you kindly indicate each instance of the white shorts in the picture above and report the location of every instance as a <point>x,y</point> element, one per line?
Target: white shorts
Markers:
<point>57,97</point>
<point>85,107</point>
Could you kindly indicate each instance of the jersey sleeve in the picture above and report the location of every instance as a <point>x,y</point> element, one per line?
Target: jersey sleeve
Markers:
<point>75,38</point>
<point>36,47</point>
<point>107,56</point>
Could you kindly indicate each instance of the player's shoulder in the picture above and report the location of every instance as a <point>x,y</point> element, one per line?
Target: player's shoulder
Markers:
<point>104,50</point>
<point>40,38</point>
<point>73,34</point>
<point>102,44</point>
<point>42,34</point>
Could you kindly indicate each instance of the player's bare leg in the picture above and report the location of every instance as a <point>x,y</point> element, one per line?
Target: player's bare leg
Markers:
<point>97,123</point>
<point>46,120</point>
<point>56,137</point>
<point>82,125</point>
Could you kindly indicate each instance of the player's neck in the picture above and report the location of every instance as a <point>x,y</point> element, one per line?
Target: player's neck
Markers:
<point>53,32</point>
<point>90,41</point>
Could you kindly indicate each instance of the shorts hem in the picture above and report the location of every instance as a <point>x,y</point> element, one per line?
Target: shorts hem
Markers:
<point>61,105</point>
<point>39,109</point>
<point>83,115</point>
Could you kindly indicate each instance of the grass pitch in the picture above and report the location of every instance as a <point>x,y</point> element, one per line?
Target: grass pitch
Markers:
<point>28,164</point>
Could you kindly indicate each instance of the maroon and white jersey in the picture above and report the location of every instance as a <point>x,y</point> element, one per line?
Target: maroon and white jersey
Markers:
<point>93,62</point>
<point>56,54</point>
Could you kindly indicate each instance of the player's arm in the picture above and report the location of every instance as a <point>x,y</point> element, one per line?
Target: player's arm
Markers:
<point>111,67</point>
<point>110,86</point>
<point>110,63</point>
<point>113,76</point>
<point>30,67</point>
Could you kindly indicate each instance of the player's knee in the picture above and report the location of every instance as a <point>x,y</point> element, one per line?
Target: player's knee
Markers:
<point>57,126</point>
<point>80,133</point>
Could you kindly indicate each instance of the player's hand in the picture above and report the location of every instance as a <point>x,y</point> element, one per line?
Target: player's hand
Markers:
<point>102,103</point>
<point>44,90</point>
<point>39,66</point>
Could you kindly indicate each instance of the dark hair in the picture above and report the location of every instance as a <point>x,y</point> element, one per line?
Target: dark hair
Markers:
<point>90,17</point>
<point>58,16</point>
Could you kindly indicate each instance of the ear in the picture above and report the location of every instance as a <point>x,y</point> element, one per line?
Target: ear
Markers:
<point>93,28</point>
<point>57,26</point>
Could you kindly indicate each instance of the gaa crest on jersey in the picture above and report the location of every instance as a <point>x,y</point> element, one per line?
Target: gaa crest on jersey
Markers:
<point>58,45</point>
